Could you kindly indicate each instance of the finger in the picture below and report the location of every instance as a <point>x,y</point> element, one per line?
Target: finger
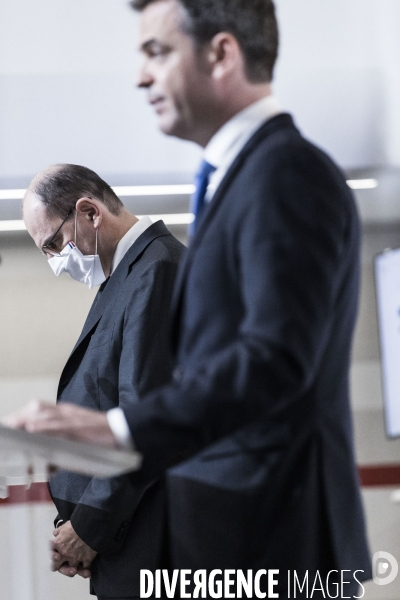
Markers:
<point>46,425</point>
<point>37,405</point>
<point>14,421</point>
<point>76,564</point>
<point>19,419</point>
<point>85,573</point>
<point>67,570</point>
<point>57,557</point>
<point>55,565</point>
<point>53,545</point>
<point>56,532</point>
<point>70,421</point>
<point>40,415</point>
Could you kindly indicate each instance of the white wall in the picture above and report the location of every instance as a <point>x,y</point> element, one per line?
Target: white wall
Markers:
<point>330,75</point>
<point>25,531</point>
<point>67,73</point>
<point>339,73</point>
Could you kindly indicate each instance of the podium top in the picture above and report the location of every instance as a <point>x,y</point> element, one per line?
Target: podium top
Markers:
<point>36,451</point>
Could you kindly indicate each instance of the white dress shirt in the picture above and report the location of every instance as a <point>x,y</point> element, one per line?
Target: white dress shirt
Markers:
<point>220,152</point>
<point>115,416</point>
<point>230,140</point>
<point>129,238</point>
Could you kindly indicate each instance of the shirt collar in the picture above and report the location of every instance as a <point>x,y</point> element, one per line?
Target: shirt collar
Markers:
<point>226,144</point>
<point>129,238</point>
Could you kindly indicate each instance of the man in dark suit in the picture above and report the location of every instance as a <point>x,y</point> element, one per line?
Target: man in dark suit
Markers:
<point>121,354</point>
<point>254,435</point>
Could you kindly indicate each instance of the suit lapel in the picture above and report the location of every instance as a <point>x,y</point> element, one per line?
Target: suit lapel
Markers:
<point>275,124</point>
<point>103,299</point>
<point>100,304</point>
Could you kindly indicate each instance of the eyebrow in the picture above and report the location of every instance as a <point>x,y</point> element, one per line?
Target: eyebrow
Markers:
<point>152,42</point>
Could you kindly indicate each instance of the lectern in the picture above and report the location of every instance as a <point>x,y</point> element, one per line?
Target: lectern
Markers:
<point>30,457</point>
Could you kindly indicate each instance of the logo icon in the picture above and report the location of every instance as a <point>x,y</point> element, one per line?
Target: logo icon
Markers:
<point>384,568</point>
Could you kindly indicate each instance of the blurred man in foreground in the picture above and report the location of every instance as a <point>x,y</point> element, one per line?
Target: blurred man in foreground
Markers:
<point>254,435</point>
<point>107,528</point>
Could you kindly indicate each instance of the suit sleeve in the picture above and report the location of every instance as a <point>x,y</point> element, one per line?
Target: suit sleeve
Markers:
<point>104,513</point>
<point>291,248</point>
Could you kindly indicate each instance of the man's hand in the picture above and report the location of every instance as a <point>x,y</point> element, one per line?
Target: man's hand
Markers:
<point>63,420</point>
<point>69,553</point>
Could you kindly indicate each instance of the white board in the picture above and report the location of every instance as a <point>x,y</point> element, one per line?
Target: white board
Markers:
<point>387,279</point>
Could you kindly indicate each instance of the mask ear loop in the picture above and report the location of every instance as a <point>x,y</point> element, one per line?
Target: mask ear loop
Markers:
<point>95,254</point>
<point>76,216</point>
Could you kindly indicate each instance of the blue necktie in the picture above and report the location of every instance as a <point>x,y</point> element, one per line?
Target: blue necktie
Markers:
<point>198,198</point>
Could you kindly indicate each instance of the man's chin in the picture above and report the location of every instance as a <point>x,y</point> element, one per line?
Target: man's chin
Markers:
<point>172,128</point>
<point>166,126</point>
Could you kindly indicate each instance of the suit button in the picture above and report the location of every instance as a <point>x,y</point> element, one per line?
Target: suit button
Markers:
<point>177,373</point>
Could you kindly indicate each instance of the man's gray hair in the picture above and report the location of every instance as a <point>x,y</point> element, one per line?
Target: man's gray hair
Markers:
<point>61,186</point>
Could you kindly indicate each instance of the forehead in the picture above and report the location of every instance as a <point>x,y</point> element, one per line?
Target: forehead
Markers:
<point>161,20</point>
<point>39,223</point>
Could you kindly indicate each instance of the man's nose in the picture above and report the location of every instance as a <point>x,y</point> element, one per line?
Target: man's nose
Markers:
<point>145,79</point>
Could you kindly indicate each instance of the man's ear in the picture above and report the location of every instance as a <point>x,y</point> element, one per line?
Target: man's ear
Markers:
<point>90,209</point>
<point>224,55</point>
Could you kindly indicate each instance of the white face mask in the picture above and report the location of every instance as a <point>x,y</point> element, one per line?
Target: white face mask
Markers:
<point>84,268</point>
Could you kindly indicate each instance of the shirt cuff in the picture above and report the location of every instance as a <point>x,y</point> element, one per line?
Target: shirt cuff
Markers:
<point>119,426</point>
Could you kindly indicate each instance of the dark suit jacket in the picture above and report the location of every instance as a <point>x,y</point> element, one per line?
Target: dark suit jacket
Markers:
<point>122,353</point>
<point>258,416</point>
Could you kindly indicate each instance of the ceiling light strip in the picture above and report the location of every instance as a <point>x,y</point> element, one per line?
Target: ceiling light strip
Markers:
<point>122,191</point>
<point>12,194</point>
<point>154,190</point>
<point>362,184</point>
<point>169,219</point>
<point>12,226</point>
<point>174,190</point>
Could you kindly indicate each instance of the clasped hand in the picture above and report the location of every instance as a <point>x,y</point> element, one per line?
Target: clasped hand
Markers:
<point>70,555</point>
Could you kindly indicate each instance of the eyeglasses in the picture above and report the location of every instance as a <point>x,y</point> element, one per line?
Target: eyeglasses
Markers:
<point>46,250</point>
